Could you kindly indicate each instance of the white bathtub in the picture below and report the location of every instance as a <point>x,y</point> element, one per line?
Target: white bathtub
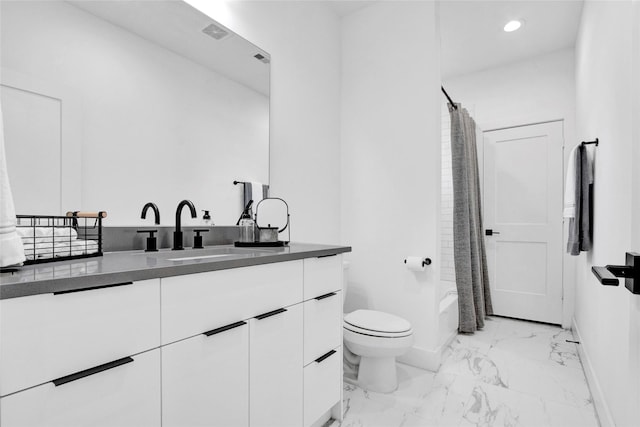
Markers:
<point>448,317</point>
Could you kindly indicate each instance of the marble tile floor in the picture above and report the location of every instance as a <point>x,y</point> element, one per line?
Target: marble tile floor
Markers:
<point>512,373</point>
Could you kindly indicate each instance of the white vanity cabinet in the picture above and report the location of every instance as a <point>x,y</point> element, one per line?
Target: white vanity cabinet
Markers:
<point>254,346</point>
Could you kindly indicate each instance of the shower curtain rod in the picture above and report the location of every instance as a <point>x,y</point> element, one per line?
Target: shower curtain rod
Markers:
<point>453,104</point>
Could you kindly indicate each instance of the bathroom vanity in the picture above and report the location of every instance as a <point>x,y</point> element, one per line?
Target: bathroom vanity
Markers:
<point>176,338</point>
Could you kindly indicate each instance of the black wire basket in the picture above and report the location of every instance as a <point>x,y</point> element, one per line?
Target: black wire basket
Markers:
<point>48,238</point>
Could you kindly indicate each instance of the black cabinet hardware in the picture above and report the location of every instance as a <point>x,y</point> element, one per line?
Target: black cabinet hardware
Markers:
<point>271,313</point>
<point>326,256</point>
<point>321,297</point>
<point>93,288</point>
<point>87,372</point>
<point>608,274</point>
<point>224,328</point>
<point>325,356</point>
<point>490,232</point>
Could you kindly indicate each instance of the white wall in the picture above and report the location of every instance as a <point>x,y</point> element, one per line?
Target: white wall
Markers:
<point>605,316</point>
<point>634,302</point>
<point>536,90</point>
<point>155,126</point>
<point>303,39</point>
<point>391,162</point>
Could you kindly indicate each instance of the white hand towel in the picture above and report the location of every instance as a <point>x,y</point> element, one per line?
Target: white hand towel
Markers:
<point>11,250</point>
<point>570,186</point>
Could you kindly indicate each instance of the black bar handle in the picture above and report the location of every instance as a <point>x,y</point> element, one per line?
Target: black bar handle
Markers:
<point>92,288</point>
<point>271,313</point>
<point>608,274</point>
<point>91,371</point>
<point>321,297</point>
<point>604,276</point>
<point>224,328</point>
<point>326,256</point>
<point>325,356</point>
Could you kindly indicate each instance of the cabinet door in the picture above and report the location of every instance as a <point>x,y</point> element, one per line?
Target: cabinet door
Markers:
<point>124,395</point>
<point>52,335</point>
<point>205,379</point>
<point>275,374</point>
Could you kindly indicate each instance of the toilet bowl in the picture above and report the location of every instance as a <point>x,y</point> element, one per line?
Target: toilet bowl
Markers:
<point>374,339</point>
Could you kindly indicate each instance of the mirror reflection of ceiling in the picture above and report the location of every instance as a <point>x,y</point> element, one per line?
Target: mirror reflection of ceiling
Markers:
<point>472,36</point>
<point>178,27</point>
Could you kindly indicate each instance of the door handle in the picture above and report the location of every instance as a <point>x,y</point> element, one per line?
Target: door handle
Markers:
<point>490,232</point>
<point>608,274</point>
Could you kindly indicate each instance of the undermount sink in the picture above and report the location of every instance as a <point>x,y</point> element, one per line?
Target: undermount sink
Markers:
<point>207,253</point>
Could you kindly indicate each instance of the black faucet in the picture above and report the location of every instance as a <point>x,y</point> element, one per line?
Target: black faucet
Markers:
<point>177,234</point>
<point>156,212</point>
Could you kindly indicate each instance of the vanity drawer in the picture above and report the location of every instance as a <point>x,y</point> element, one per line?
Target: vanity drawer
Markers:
<point>322,385</point>
<point>196,303</point>
<point>52,335</point>
<point>322,325</point>
<point>322,275</point>
<point>127,395</point>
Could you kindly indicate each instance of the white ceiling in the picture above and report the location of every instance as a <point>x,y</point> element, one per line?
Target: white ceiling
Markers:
<point>345,7</point>
<point>177,26</point>
<point>472,38</point>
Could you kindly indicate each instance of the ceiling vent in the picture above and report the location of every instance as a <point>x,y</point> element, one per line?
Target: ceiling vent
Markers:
<point>216,31</point>
<point>260,57</point>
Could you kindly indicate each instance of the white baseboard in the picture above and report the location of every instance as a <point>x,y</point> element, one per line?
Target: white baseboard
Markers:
<point>602,409</point>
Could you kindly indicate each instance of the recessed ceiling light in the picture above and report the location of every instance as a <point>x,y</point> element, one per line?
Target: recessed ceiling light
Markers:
<point>512,26</point>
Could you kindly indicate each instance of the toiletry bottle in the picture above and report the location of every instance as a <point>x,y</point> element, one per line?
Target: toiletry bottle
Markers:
<point>206,219</point>
<point>247,228</point>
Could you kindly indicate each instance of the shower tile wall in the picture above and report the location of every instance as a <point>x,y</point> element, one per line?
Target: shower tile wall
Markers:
<point>447,268</point>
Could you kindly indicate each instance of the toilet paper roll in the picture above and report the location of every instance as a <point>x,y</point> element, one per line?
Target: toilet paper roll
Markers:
<point>414,263</point>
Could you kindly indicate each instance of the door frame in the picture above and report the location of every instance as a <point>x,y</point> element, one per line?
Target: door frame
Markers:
<point>568,262</point>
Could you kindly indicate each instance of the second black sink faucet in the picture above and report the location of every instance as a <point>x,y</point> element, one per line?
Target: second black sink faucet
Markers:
<point>177,234</point>
<point>156,212</point>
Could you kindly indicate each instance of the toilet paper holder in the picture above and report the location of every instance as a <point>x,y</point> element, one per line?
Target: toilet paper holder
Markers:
<point>426,261</point>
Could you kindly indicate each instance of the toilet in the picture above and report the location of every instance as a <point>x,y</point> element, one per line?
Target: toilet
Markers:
<point>373,339</point>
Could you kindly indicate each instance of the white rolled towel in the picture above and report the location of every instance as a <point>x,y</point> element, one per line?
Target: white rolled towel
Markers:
<point>11,250</point>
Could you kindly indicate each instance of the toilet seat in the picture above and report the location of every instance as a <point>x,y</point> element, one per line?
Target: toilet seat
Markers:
<point>377,324</point>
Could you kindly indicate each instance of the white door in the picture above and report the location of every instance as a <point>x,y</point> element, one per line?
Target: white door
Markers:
<point>523,189</point>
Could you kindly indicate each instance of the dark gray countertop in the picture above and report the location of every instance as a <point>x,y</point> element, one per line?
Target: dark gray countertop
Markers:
<point>128,266</point>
